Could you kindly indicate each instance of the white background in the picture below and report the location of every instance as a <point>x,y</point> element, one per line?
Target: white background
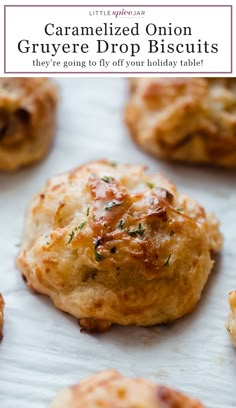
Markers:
<point>207,24</point>
<point>43,349</point>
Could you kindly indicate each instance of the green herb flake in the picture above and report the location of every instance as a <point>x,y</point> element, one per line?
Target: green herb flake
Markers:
<point>150,185</point>
<point>167,260</point>
<point>99,257</point>
<point>111,204</point>
<point>113,250</point>
<point>81,225</point>
<point>172,233</point>
<point>88,211</point>
<point>121,224</point>
<point>134,232</point>
<point>113,163</point>
<point>47,243</point>
<point>179,209</point>
<point>71,235</point>
<point>141,230</point>
<point>108,179</point>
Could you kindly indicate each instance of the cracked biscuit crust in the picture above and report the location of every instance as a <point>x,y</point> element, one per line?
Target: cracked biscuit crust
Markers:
<point>27,120</point>
<point>109,389</point>
<point>110,244</point>
<point>231,323</point>
<point>1,315</point>
<point>184,119</point>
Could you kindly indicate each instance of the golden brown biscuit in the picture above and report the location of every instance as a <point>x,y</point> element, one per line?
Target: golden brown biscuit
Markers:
<point>27,120</point>
<point>231,323</point>
<point>109,389</point>
<point>184,119</point>
<point>1,314</point>
<point>111,244</point>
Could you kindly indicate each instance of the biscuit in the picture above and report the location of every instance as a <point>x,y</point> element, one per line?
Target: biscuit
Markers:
<point>27,120</point>
<point>231,323</point>
<point>1,314</point>
<point>109,389</point>
<point>111,244</point>
<point>184,119</point>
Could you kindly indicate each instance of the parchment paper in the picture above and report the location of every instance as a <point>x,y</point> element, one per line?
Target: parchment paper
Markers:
<point>43,349</point>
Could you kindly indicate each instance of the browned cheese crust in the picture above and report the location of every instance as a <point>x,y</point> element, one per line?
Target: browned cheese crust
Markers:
<point>184,119</point>
<point>231,323</point>
<point>1,315</point>
<point>27,120</point>
<point>109,389</point>
<point>111,244</point>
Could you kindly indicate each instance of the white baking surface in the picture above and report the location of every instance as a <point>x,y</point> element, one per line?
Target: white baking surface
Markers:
<point>43,349</point>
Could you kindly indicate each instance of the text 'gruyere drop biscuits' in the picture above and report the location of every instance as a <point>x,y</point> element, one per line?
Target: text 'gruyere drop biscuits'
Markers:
<point>231,323</point>
<point>27,120</point>
<point>1,315</point>
<point>109,389</point>
<point>111,244</point>
<point>184,119</point>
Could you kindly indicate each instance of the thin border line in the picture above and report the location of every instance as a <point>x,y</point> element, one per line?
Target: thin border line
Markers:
<point>121,72</point>
<point>120,5</point>
<point>5,38</point>
<point>231,51</point>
